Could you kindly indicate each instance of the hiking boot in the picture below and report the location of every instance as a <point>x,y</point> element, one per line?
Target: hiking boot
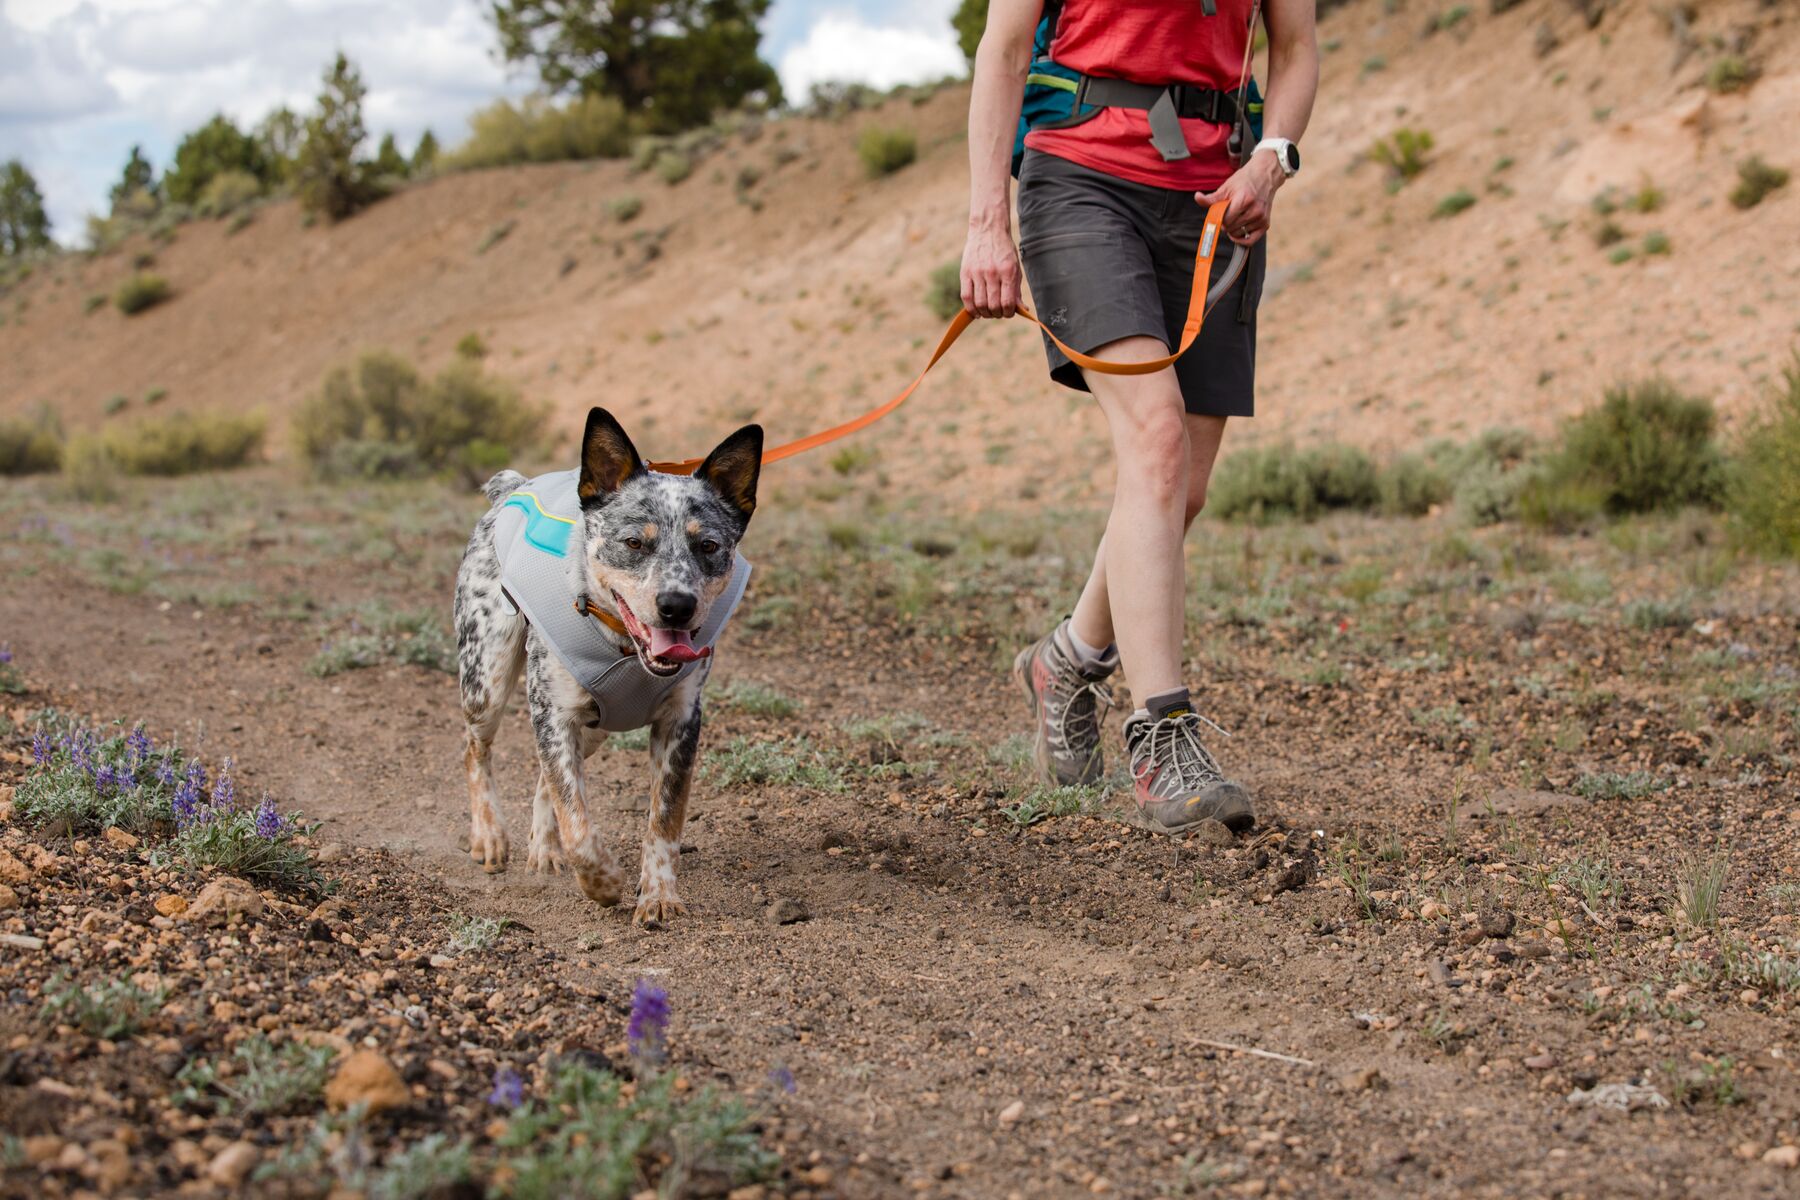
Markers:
<point>1068,702</point>
<point>1178,781</point>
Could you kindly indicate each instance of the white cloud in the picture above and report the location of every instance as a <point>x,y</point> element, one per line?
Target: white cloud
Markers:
<point>846,47</point>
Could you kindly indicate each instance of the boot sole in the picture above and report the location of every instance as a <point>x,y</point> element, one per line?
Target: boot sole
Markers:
<point>1230,806</point>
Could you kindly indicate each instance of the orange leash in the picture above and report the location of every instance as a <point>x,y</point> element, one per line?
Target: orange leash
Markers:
<point>1210,236</point>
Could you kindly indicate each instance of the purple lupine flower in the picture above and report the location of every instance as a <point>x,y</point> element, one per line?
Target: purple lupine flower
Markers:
<point>139,745</point>
<point>224,792</point>
<point>268,822</point>
<point>783,1079</point>
<point>649,1026</point>
<point>5,653</point>
<point>40,748</point>
<point>124,779</point>
<point>509,1089</point>
<point>165,772</point>
<point>186,804</point>
<point>103,777</point>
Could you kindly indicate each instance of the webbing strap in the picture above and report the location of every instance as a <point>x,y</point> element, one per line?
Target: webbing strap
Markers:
<point>1199,304</point>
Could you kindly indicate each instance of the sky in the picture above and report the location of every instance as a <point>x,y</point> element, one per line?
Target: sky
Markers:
<point>82,81</point>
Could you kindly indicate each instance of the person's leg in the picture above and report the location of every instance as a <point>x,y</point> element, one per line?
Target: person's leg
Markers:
<point>1141,551</point>
<point>1093,620</point>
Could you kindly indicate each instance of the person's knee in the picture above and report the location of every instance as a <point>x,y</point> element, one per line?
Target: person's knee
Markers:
<point>1155,452</point>
<point>1196,495</point>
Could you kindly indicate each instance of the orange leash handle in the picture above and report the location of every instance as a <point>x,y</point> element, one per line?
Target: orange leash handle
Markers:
<point>1210,236</point>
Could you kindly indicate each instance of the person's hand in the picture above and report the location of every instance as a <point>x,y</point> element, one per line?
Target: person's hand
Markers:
<point>1251,193</point>
<point>990,271</point>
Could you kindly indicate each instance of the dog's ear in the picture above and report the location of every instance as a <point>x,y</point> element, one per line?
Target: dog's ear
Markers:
<point>608,458</point>
<point>733,467</point>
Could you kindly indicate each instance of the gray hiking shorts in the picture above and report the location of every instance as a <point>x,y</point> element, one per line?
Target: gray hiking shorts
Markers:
<point>1108,258</point>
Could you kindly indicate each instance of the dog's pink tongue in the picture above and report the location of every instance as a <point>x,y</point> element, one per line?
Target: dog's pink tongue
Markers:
<point>674,645</point>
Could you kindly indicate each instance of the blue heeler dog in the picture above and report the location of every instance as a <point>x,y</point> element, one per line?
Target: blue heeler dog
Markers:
<point>606,586</point>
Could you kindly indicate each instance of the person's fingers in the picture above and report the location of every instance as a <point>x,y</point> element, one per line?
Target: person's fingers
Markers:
<point>968,290</point>
<point>984,294</point>
<point>1009,295</point>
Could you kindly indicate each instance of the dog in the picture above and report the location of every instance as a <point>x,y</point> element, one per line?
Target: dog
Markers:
<point>605,587</point>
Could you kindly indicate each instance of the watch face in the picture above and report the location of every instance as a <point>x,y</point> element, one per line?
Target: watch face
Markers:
<point>1293,157</point>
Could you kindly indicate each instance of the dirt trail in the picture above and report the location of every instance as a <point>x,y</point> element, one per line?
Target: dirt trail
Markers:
<point>945,978</point>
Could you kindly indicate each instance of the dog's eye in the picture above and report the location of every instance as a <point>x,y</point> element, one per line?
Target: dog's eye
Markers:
<point>709,547</point>
<point>634,543</point>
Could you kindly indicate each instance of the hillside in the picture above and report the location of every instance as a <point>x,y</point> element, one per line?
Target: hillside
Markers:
<point>1384,325</point>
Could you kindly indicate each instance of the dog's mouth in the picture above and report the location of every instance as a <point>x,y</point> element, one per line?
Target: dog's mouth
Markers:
<point>662,651</point>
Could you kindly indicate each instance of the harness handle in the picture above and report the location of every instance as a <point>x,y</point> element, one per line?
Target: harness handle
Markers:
<point>1201,299</point>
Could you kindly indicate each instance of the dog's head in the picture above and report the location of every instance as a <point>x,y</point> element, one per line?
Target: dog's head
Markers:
<point>661,547</point>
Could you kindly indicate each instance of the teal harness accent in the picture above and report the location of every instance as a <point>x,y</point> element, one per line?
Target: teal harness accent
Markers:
<point>549,534</point>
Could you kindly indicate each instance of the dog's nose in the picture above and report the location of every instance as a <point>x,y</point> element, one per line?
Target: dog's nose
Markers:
<point>676,608</point>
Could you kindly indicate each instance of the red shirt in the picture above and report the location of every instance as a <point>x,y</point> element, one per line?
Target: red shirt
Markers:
<point>1149,41</point>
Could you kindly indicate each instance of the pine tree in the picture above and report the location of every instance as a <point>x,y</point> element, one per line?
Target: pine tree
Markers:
<point>970,22</point>
<point>425,154</point>
<point>330,179</point>
<point>137,184</point>
<point>280,135</point>
<point>672,63</point>
<point>389,162</point>
<point>23,223</point>
<point>209,151</point>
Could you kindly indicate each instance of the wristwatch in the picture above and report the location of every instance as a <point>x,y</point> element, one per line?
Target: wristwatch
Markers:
<point>1286,153</point>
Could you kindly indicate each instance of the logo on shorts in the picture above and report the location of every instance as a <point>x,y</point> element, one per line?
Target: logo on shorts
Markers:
<point>1059,317</point>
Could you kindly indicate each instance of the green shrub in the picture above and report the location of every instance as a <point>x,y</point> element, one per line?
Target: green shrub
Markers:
<point>1730,73</point>
<point>381,418</point>
<point>1412,485</point>
<point>1404,152</point>
<point>472,345</point>
<point>1645,448</point>
<point>673,166</point>
<point>141,291</point>
<point>182,443</point>
<point>116,405</point>
<point>1458,201</point>
<point>1655,243</point>
<point>262,1078</point>
<point>229,191</point>
<point>944,294</point>
<point>1275,482</point>
<point>624,209</point>
<point>156,395</point>
<point>89,472</point>
<point>495,235</point>
<point>1756,179</point>
<point>538,129</point>
<point>1763,494</point>
<point>884,151</point>
<point>31,447</point>
<point>110,1009</point>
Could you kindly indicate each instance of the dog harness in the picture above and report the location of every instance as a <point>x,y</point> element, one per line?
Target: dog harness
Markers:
<point>545,581</point>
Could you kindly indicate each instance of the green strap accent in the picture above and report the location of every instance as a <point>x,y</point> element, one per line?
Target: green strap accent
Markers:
<point>1055,81</point>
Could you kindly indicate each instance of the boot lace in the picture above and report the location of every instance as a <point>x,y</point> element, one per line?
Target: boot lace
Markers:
<point>1175,741</point>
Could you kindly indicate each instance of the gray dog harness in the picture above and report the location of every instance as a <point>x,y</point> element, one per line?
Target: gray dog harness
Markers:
<point>545,579</point>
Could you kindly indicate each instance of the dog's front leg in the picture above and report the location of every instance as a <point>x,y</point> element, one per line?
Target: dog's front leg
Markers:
<point>674,744</point>
<point>560,711</point>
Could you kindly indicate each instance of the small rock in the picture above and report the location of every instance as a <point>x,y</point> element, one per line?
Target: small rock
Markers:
<point>1540,1062</point>
<point>119,839</point>
<point>786,910</point>
<point>1011,1114</point>
<point>1431,910</point>
<point>367,1078</point>
<point>9,899</point>
<point>1438,971</point>
<point>1749,996</point>
<point>1783,1156</point>
<point>1496,923</point>
<point>171,905</point>
<point>44,1148</point>
<point>1366,1080</point>
<point>232,1165</point>
<point>223,899</point>
<point>12,870</point>
<point>329,852</point>
<point>111,1164</point>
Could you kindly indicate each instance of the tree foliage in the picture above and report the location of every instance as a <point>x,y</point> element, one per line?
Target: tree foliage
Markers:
<point>389,162</point>
<point>330,178</point>
<point>425,154</point>
<point>280,135</point>
<point>24,225</point>
<point>137,180</point>
<point>672,63</point>
<point>969,20</point>
<point>214,148</point>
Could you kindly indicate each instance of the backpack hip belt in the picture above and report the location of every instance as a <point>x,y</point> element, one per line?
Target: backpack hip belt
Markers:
<point>1166,106</point>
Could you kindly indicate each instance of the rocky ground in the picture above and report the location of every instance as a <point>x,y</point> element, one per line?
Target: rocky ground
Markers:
<point>1520,914</point>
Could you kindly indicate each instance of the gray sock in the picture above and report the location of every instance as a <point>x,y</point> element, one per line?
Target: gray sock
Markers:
<point>1086,656</point>
<point>1169,704</point>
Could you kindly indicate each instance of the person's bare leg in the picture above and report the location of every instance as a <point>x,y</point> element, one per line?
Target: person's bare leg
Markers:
<point>1142,546</point>
<point>1092,621</point>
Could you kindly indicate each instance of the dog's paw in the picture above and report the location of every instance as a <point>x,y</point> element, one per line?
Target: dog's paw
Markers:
<point>658,905</point>
<point>598,874</point>
<point>488,847</point>
<point>545,856</point>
